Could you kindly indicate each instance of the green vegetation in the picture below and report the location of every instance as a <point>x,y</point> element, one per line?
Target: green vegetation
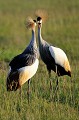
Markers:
<point>61,29</point>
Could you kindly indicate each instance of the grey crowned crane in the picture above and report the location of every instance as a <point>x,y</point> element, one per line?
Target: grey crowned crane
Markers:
<point>54,57</point>
<point>24,66</point>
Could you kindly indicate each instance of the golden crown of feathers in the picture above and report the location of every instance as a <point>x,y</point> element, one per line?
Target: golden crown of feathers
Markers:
<point>29,22</point>
<point>41,13</point>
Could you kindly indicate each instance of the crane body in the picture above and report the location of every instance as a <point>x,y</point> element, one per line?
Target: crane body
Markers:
<point>54,58</point>
<point>24,66</point>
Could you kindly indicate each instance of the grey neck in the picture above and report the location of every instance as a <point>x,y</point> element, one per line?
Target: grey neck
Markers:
<point>33,40</point>
<point>32,45</point>
<point>39,36</point>
<point>41,41</point>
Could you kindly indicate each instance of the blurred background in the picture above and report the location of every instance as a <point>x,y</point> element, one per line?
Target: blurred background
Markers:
<point>61,29</point>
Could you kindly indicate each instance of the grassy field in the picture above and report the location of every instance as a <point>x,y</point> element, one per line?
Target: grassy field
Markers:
<point>61,29</point>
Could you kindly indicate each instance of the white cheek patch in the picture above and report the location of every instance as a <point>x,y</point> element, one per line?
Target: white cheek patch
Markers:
<point>40,21</point>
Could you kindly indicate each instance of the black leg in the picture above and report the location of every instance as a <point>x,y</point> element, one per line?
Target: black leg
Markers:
<point>28,92</point>
<point>56,94</point>
<point>21,93</point>
<point>57,83</point>
<point>57,79</point>
<point>49,71</point>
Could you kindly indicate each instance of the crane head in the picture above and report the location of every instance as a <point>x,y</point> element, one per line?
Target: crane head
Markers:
<point>41,14</point>
<point>30,23</point>
<point>39,21</point>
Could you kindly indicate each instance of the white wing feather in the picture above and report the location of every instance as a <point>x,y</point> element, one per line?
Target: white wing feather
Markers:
<point>58,55</point>
<point>27,72</point>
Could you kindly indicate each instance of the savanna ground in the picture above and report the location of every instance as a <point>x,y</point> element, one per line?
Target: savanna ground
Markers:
<point>61,29</point>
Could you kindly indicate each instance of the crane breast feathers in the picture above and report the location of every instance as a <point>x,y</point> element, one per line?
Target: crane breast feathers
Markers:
<point>58,55</point>
<point>22,61</point>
